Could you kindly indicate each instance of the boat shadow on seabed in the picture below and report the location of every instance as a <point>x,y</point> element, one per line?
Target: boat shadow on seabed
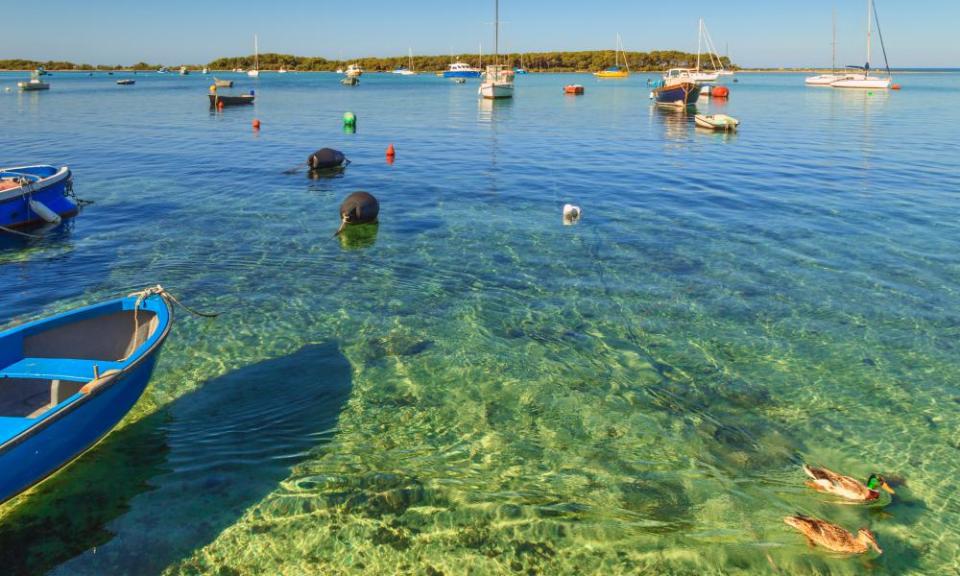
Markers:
<point>157,489</point>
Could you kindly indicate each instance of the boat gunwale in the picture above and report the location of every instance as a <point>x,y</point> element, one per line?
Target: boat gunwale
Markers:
<point>55,414</point>
<point>14,193</point>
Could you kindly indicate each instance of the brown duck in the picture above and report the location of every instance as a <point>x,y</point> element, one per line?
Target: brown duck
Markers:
<point>824,480</point>
<point>833,537</point>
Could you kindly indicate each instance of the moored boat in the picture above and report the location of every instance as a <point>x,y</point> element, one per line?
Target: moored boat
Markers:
<point>184,71</point>
<point>576,89</point>
<point>497,81</point>
<point>222,83</point>
<point>615,71</point>
<point>126,82</point>
<point>255,71</point>
<point>677,88</point>
<point>217,100</point>
<point>67,380</point>
<point>864,80</point>
<point>34,84</point>
<point>354,71</point>
<point>461,70</point>
<point>717,122</point>
<point>32,195</point>
<point>349,80</point>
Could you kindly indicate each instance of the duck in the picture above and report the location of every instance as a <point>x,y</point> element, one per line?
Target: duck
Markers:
<point>824,480</point>
<point>833,537</point>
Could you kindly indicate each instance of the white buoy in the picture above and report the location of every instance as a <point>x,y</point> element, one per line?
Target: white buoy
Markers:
<point>571,214</point>
<point>42,211</point>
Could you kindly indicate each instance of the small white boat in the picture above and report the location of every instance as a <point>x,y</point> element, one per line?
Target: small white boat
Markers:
<point>255,71</point>
<point>717,122</point>
<point>282,70</point>
<point>205,70</point>
<point>339,70</point>
<point>407,70</point>
<point>184,71</point>
<point>34,84</point>
<point>354,71</point>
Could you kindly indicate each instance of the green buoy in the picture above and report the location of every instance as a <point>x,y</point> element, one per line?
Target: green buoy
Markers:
<point>349,119</point>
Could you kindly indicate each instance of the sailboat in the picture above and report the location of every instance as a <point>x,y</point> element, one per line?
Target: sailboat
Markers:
<point>520,69</point>
<point>615,71</point>
<point>497,81</point>
<point>407,71</point>
<point>865,80</point>
<point>255,71</point>
<point>698,75</point>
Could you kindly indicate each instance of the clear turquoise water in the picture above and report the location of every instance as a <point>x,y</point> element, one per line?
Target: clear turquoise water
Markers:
<point>473,387</point>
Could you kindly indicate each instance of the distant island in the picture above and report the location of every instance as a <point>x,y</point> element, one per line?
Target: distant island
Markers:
<point>533,61</point>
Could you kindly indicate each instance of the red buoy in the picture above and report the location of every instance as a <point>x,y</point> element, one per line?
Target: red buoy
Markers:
<point>720,92</point>
<point>895,87</point>
<point>256,124</point>
<point>390,151</point>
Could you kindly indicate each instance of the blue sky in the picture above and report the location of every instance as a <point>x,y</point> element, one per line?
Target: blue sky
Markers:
<point>758,32</point>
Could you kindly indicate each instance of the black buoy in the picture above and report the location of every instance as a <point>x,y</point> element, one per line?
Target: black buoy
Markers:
<point>358,208</point>
<point>326,158</point>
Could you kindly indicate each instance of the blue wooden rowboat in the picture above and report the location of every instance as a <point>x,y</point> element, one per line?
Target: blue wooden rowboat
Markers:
<point>67,380</point>
<point>680,95</point>
<point>35,195</point>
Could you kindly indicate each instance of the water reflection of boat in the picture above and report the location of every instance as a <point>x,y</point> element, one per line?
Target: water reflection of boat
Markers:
<point>676,121</point>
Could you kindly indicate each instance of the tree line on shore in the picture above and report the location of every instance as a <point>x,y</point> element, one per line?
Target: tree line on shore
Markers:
<point>534,61</point>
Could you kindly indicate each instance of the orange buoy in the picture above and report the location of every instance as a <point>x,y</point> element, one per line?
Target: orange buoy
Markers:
<point>256,124</point>
<point>720,92</point>
<point>895,87</point>
<point>391,152</point>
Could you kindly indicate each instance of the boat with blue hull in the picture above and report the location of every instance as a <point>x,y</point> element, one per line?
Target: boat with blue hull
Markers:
<point>680,95</point>
<point>67,380</point>
<point>677,88</point>
<point>461,70</point>
<point>32,195</point>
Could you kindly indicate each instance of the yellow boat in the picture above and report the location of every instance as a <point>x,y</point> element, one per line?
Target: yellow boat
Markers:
<point>615,71</point>
<point>612,72</point>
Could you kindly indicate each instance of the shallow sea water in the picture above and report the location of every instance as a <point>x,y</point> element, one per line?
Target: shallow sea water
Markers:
<point>472,387</point>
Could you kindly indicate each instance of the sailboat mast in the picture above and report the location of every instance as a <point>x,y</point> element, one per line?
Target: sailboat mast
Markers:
<point>869,23</point>
<point>256,53</point>
<point>496,35</point>
<point>834,43</point>
<point>699,37</point>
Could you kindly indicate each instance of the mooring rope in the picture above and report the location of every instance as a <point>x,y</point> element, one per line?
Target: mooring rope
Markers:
<point>160,291</point>
<point>19,233</point>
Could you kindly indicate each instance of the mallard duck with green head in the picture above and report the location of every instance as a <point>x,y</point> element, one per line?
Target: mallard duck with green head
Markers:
<point>833,537</point>
<point>848,488</point>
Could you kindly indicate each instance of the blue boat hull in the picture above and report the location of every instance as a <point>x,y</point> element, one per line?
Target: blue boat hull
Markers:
<point>50,188</point>
<point>96,361</point>
<point>461,74</point>
<point>683,94</point>
<point>71,435</point>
